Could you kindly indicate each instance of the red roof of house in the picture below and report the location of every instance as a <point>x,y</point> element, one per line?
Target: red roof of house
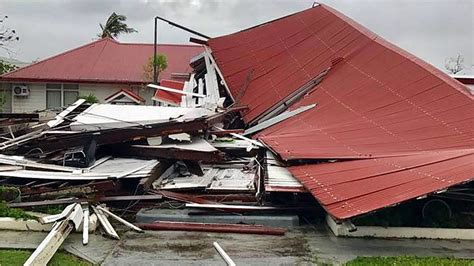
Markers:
<point>129,93</point>
<point>169,96</point>
<point>106,61</point>
<point>408,125</point>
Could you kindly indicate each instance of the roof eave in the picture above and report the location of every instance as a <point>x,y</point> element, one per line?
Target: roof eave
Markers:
<point>81,81</point>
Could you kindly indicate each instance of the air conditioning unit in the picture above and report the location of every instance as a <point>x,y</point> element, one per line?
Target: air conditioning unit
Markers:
<point>21,90</point>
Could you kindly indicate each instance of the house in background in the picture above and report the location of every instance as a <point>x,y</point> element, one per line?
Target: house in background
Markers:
<point>110,70</point>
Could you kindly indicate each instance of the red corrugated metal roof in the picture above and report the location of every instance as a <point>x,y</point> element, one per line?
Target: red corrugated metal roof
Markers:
<point>129,93</point>
<point>286,53</point>
<point>169,96</point>
<point>409,126</point>
<point>105,61</point>
<point>351,188</point>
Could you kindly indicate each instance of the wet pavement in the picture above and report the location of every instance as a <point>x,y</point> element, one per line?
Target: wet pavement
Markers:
<point>301,246</point>
<point>306,245</point>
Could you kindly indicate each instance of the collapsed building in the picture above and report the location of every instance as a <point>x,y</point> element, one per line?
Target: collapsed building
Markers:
<point>309,104</point>
<point>387,127</point>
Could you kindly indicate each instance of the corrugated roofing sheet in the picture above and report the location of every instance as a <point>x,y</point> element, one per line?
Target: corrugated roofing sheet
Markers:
<point>170,96</point>
<point>106,61</point>
<point>282,55</point>
<point>351,188</point>
<point>409,126</point>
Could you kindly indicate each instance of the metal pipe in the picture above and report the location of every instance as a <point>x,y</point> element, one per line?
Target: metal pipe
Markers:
<point>223,254</point>
<point>182,27</point>
<point>155,76</point>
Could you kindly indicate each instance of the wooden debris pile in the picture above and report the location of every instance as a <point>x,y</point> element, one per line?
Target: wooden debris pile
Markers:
<point>131,157</point>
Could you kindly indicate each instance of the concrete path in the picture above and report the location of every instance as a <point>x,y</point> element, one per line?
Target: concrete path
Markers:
<point>305,245</point>
<point>301,246</point>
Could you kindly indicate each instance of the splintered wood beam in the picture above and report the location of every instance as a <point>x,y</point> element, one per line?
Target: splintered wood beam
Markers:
<point>60,231</point>
<point>119,219</point>
<point>108,228</point>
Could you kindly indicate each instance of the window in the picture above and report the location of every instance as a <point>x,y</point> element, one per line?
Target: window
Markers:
<point>59,95</point>
<point>70,94</point>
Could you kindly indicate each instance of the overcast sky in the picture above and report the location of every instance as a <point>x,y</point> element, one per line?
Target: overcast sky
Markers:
<point>431,29</point>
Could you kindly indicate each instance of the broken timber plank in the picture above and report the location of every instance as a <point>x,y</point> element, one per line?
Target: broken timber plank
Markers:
<point>108,228</point>
<point>119,219</point>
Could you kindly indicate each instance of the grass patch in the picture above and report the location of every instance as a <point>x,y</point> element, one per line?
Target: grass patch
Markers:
<point>409,260</point>
<point>6,211</point>
<point>49,209</point>
<point>18,257</point>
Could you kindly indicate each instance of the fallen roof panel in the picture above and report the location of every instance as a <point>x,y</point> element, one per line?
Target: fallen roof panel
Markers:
<point>378,101</point>
<point>409,125</point>
<point>284,54</point>
<point>351,188</point>
<point>110,116</point>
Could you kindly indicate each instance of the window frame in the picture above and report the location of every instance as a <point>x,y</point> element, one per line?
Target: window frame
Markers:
<point>61,89</point>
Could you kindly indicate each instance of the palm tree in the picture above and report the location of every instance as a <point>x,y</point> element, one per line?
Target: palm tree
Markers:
<point>114,26</point>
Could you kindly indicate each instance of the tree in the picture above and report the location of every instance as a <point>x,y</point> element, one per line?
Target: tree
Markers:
<point>454,65</point>
<point>6,67</point>
<point>7,35</point>
<point>115,26</point>
<point>161,63</point>
<point>91,98</point>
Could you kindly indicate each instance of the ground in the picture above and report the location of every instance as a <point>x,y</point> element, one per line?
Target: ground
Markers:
<point>18,257</point>
<point>305,245</point>
<point>409,260</point>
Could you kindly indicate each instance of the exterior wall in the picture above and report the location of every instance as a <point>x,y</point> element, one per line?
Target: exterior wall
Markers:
<point>34,102</point>
<point>102,91</point>
<point>5,88</point>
